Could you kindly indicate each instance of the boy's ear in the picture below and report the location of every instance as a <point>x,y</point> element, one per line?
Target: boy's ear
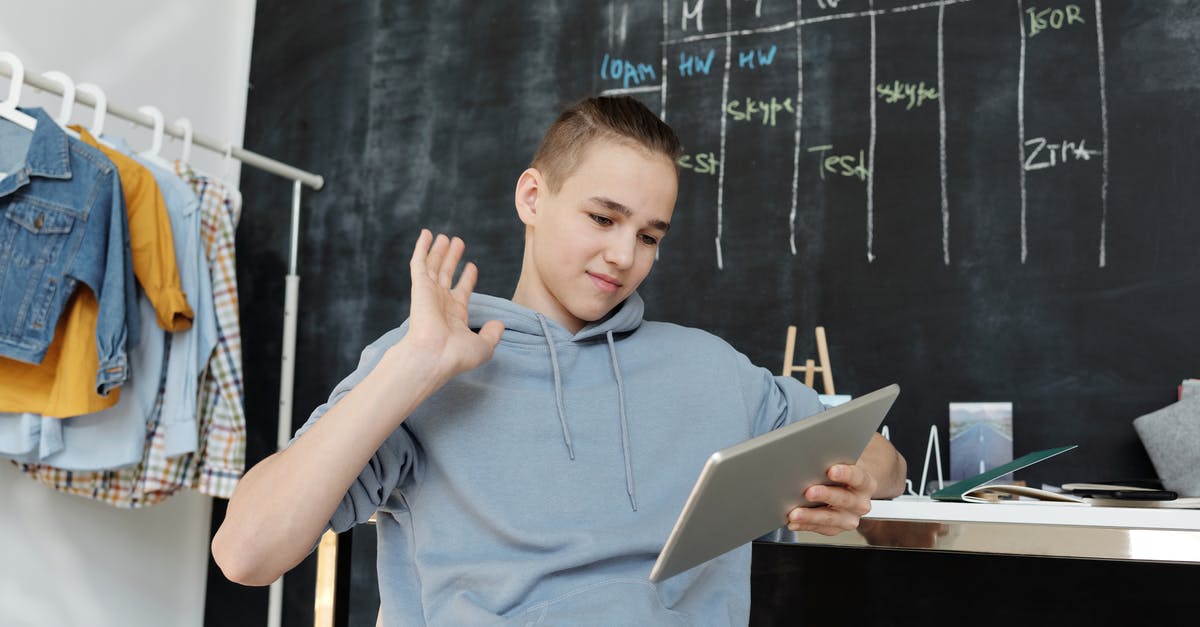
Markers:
<point>530,186</point>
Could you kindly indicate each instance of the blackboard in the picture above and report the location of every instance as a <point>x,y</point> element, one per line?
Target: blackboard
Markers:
<point>982,200</point>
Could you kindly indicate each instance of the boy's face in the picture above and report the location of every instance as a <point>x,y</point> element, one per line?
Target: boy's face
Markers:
<point>591,244</point>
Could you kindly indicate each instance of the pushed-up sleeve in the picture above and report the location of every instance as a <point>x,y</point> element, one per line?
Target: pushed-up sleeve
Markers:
<point>773,401</point>
<point>390,466</point>
<point>154,261</point>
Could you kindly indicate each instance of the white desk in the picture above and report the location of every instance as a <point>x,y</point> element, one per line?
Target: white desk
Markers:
<point>1026,528</point>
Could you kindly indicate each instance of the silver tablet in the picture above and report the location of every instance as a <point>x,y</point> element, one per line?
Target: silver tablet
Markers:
<point>747,490</point>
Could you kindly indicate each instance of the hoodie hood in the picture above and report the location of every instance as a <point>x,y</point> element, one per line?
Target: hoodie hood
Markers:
<point>526,326</point>
<point>523,325</point>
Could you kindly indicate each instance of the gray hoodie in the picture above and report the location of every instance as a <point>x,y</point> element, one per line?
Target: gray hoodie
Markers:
<point>539,487</point>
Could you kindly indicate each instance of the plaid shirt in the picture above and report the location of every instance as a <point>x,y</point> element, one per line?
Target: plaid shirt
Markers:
<point>215,468</point>
<point>222,415</point>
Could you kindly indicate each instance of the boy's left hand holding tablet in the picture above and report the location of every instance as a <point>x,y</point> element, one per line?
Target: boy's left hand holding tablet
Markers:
<point>848,501</point>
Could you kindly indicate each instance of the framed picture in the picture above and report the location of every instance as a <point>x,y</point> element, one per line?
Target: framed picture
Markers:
<point>980,438</point>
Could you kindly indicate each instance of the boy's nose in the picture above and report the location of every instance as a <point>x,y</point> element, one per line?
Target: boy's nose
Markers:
<point>619,251</point>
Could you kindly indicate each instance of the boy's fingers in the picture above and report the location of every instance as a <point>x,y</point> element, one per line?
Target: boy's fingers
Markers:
<point>821,529</point>
<point>849,475</point>
<point>825,520</point>
<point>420,250</point>
<point>811,517</point>
<point>450,262</point>
<point>838,498</point>
<point>433,262</point>
<point>466,283</point>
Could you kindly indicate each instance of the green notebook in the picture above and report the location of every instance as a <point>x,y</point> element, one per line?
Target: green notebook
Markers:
<point>959,491</point>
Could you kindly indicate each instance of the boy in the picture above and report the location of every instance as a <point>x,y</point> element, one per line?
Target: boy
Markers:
<point>528,457</point>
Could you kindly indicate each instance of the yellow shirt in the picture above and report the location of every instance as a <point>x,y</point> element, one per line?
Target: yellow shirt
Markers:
<point>64,384</point>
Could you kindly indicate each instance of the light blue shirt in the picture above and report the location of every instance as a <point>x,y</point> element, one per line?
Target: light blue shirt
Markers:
<point>190,349</point>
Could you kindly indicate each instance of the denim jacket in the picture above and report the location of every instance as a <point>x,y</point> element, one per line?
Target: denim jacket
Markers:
<point>62,221</point>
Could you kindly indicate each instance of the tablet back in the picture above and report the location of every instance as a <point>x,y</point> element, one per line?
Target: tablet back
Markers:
<point>746,490</point>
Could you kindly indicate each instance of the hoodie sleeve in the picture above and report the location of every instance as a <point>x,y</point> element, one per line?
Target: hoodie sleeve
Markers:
<point>389,467</point>
<point>773,401</point>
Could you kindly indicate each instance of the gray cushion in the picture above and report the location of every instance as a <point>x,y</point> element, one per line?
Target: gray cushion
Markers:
<point>1171,436</point>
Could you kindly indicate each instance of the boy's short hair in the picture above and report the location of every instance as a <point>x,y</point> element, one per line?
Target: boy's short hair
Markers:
<point>620,118</point>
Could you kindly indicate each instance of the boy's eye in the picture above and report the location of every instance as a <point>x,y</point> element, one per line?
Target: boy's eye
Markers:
<point>599,219</point>
<point>649,240</point>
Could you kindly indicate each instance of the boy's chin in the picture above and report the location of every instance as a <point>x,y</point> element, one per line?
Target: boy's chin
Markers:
<point>591,314</point>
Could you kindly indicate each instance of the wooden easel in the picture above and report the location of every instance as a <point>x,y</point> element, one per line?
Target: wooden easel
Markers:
<point>809,368</point>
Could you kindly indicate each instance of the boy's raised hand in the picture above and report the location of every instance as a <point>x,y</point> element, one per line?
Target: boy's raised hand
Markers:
<point>438,312</point>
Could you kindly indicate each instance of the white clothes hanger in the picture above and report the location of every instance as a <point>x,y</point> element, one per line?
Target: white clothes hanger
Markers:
<point>185,153</point>
<point>228,175</point>
<point>234,193</point>
<point>8,108</point>
<point>152,155</point>
<point>99,111</point>
<point>68,99</point>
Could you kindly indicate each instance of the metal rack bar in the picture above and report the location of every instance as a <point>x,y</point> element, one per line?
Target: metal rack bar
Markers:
<point>248,157</point>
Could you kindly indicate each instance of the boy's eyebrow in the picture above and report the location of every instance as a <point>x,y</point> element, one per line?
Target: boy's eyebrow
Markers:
<point>613,205</point>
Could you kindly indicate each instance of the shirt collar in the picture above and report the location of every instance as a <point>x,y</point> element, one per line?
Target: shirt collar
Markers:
<point>49,150</point>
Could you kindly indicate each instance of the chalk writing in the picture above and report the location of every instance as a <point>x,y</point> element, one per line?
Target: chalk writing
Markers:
<point>1041,19</point>
<point>1043,155</point>
<point>840,165</point>
<point>700,163</point>
<point>744,51</point>
<point>689,64</point>
<point>697,13</point>
<point>620,69</point>
<point>913,94</point>
<point>749,58</point>
<point>749,109</point>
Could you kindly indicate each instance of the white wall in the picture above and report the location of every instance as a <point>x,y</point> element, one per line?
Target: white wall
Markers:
<point>66,560</point>
<point>190,59</point>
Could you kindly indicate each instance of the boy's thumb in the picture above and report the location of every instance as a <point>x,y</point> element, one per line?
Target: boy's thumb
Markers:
<point>491,332</point>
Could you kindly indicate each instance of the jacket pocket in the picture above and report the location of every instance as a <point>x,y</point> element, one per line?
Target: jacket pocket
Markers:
<point>624,601</point>
<point>33,236</point>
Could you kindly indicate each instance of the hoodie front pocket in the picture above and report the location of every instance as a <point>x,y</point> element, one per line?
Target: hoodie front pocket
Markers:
<point>625,601</point>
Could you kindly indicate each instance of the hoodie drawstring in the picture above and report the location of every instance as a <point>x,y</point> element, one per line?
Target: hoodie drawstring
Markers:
<point>625,452</point>
<point>558,393</point>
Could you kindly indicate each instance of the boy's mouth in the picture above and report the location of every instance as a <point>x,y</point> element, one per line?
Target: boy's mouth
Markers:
<point>604,282</point>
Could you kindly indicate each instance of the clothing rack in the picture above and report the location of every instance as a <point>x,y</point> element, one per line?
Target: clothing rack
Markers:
<point>248,157</point>
<point>12,65</point>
